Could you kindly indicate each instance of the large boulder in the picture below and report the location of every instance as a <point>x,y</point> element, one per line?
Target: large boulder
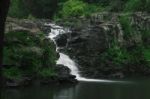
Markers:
<point>61,40</point>
<point>24,81</point>
<point>64,74</point>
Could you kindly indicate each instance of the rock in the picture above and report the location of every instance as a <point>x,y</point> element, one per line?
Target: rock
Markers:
<point>62,70</point>
<point>13,24</point>
<point>77,40</point>
<point>117,75</point>
<point>24,81</point>
<point>64,74</point>
<point>61,40</point>
<point>50,80</point>
<point>90,40</point>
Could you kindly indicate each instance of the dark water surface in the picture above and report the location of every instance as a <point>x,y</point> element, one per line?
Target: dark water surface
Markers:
<point>83,90</point>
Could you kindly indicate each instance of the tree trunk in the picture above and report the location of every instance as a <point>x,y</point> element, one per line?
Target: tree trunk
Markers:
<point>4,5</point>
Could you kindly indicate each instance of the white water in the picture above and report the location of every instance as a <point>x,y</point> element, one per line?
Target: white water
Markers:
<point>65,59</point>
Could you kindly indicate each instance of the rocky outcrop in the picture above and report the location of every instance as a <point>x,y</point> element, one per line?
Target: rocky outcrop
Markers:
<point>64,74</point>
<point>61,40</point>
<point>13,83</point>
<point>103,48</point>
<point>29,54</point>
<point>33,26</point>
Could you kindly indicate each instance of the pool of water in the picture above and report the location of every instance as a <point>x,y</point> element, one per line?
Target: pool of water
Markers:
<point>82,90</point>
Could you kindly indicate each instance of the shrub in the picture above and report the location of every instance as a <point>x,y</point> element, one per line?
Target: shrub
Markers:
<point>137,5</point>
<point>118,56</point>
<point>77,8</point>
<point>41,8</point>
<point>46,72</point>
<point>73,8</point>
<point>28,53</point>
<point>146,53</point>
<point>12,73</point>
<point>18,9</point>
<point>126,25</point>
<point>24,8</point>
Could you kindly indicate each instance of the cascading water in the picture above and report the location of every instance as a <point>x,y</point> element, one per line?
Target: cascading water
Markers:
<point>65,59</point>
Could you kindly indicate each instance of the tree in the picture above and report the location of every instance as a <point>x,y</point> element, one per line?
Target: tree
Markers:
<point>41,8</point>
<point>4,5</point>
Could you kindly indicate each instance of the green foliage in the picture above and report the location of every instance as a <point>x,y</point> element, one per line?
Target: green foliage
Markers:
<point>24,8</point>
<point>12,73</point>
<point>73,8</point>
<point>41,8</point>
<point>103,2</point>
<point>137,5</point>
<point>18,9</point>
<point>77,8</point>
<point>46,73</point>
<point>126,25</point>
<point>31,17</point>
<point>118,56</point>
<point>145,36</point>
<point>146,53</point>
<point>147,6</point>
<point>132,5</point>
<point>49,54</point>
<point>28,52</point>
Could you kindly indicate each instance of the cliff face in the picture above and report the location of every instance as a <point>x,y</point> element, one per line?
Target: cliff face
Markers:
<point>110,45</point>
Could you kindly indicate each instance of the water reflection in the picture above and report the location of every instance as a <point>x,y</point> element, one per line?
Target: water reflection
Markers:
<point>83,90</point>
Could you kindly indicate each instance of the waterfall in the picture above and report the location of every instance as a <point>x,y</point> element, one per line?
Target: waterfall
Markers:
<point>65,59</point>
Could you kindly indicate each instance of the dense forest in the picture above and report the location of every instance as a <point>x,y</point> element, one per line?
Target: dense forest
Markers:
<point>69,8</point>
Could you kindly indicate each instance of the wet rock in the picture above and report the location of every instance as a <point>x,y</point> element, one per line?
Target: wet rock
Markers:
<point>61,40</point>
<point>117,75</point>
<point>64,74</point>
<point>24,81</point>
